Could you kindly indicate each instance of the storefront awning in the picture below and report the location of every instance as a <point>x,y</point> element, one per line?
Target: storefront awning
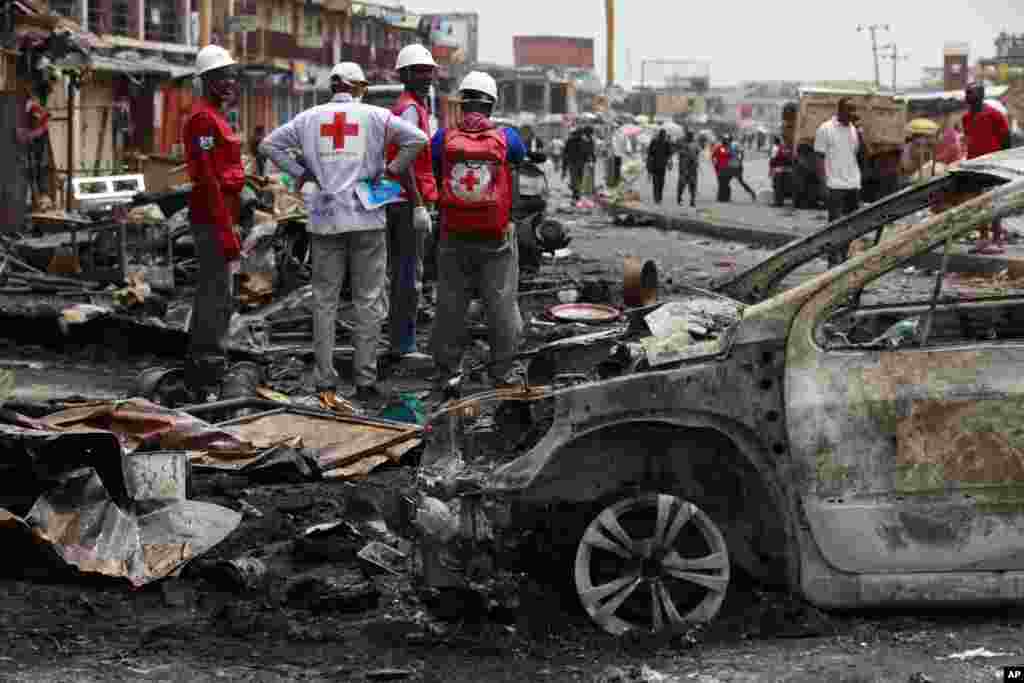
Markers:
<point>141,67</point>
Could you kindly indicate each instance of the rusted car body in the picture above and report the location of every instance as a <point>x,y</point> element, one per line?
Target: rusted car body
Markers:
<point>795,445</point>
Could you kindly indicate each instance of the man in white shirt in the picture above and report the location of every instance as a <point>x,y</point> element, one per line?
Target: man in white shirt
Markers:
<point>838,146</point>
<point>342,143</point>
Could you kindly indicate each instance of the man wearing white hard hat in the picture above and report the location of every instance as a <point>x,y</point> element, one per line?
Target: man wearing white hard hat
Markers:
<point>407,225</point>
<point>477,249</point>
<point>214,155</point>
<point>341,145</point>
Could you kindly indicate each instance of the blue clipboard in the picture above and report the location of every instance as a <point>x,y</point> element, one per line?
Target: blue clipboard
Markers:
<point>381,194</point>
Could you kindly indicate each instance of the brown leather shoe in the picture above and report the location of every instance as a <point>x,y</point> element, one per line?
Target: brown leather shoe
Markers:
<point>329,400</point>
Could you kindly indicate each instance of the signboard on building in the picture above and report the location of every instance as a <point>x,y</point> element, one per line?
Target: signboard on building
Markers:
<point>954,66</point>
<point>243,22</point>
<point>453,37</point>
<point>666,103</point>
<point>561,51</point>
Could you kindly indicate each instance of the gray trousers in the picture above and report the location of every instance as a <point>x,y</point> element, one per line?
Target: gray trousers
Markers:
<point>492,267</point>
<point>364,255</point>
<point>212,307</point>
<point>405,277</point>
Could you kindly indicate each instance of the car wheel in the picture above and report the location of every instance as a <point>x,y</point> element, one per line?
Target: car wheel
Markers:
<point>651,562</point>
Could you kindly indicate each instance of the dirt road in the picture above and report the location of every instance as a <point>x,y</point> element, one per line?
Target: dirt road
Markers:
<point>191,630</point>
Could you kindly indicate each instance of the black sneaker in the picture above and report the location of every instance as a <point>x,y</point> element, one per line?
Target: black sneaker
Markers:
<point>370,394</point>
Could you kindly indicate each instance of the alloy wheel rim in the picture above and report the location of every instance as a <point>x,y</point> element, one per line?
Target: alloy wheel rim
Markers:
<point>680,560</point>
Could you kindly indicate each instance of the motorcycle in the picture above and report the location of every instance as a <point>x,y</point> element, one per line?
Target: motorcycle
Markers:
<point>536,234</point>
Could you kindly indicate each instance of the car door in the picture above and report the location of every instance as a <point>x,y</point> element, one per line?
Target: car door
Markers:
<point>913,453</point>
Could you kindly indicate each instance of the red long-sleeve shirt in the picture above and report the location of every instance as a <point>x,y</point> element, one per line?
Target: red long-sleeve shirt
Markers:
<point>214,155</point>
<point>720,156</point>
<point>985,131</point>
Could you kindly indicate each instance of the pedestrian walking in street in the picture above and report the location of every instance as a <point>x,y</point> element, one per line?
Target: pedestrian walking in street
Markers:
<point>341,144</point>
<point>949,151</point>
<point>689,167</point>
<point>533,144</point>
<point>579,151</point>
<point>214,155</point>
<point>720,156</point>
<point>590,148</point>
<point>557,152</point>
<point>736,170</point>
<point>620,147</point>
<point>659,158</point>
<point>986,130</point>
<point>839,147</point>
<point>408,226</point>
<point>478,248</point>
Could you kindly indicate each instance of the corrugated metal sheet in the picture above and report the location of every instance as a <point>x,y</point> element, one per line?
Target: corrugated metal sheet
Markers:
<point>154,67</point>
<point>990,92</point>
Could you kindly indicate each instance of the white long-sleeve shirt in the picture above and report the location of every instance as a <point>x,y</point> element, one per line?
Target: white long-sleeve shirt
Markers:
<point>341,143</point>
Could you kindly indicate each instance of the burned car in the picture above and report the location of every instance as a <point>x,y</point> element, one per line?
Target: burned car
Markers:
<point>834,438</point>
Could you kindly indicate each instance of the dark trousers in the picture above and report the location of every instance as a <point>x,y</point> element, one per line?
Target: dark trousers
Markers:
<point>405,277</point>
<point>576,178</point>
<point>840,203</point>
<point>211,310</point>
<point>616,171</point>
<point>738,175</point>
<point>724,189</point>
<point>39,166</point>
<point>658,180</point>
<point>687,179</point>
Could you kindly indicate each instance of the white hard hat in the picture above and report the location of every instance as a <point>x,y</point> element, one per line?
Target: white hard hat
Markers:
<point>212,57</point>
<point>481,82</point>
<point>414,55</point>
<point>349,72</point>
<point>998,106</point>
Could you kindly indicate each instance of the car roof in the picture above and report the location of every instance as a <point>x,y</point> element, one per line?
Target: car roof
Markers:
<point>757,283</point>
<point>1007,164</point>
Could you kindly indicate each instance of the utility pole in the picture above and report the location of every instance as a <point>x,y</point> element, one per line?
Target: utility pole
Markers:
<point>205,22</point>
<point>896,57</point>
<point>609,8</point>
<point>873,30</point>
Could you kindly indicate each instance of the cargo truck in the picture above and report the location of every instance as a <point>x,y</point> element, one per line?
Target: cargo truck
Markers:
<point>881,118</point>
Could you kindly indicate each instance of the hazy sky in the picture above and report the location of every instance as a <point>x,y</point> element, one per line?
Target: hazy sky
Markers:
<point>797,40</point>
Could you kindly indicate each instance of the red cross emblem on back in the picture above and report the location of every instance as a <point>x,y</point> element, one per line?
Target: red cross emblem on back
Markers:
<point>339,130</point>
<point>470,181</point>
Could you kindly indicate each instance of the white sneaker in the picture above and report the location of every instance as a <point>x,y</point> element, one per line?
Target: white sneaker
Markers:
<point>415,356</point>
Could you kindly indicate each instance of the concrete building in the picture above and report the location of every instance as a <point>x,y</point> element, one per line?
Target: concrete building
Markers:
<point>1008,63</point>
<point>286,47</point>
<point>541,92</point>
<point>760,103</point>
